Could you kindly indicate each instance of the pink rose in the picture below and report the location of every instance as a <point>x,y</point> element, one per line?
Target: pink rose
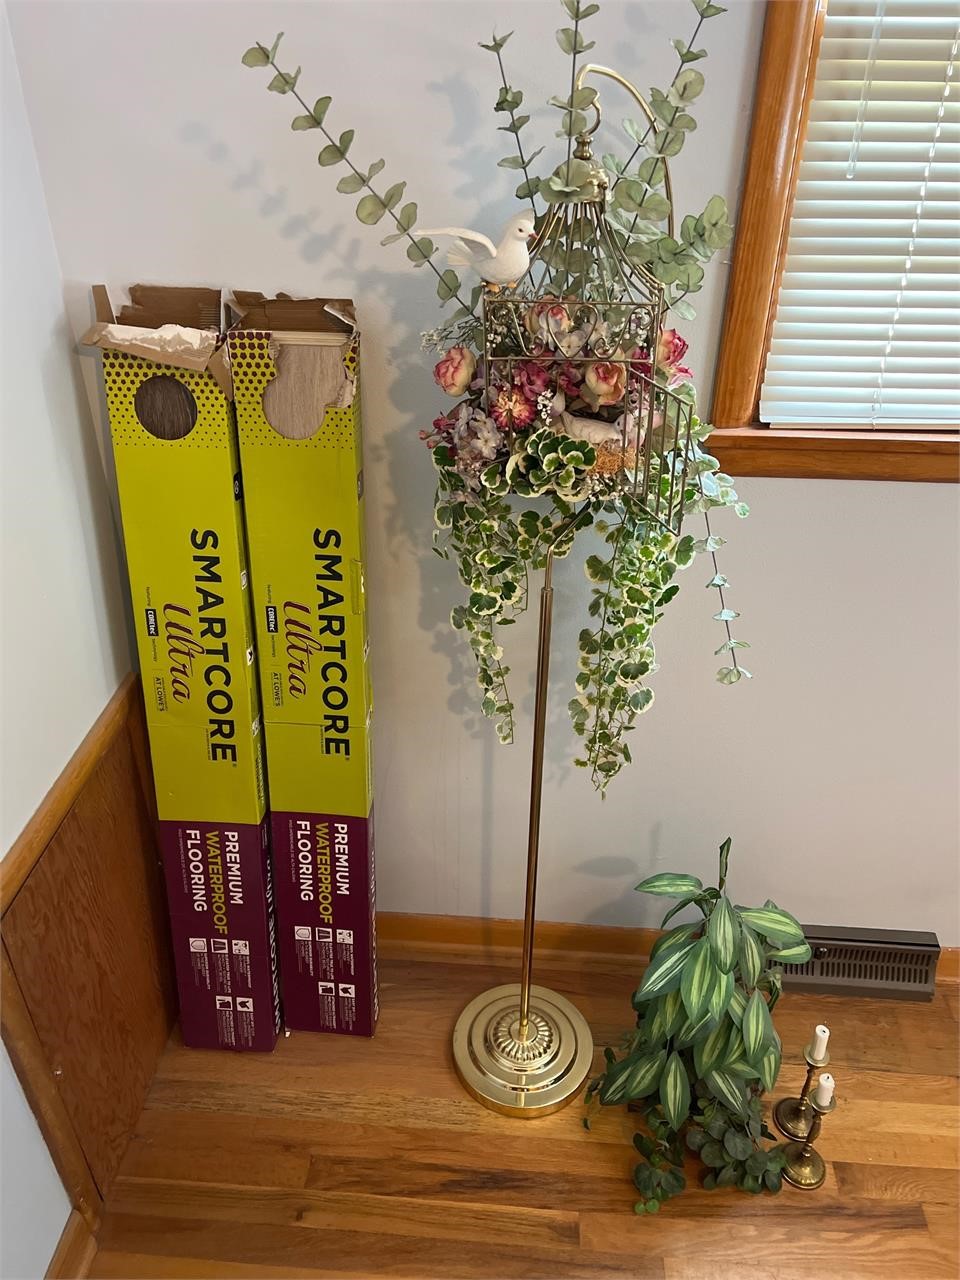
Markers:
<point>511,409</point>
<point>548,316</point>
<point>570,379</point>
<point>606,380</point>
<point>455,371</point>
<point>671,348</point>
<point>532,378</point>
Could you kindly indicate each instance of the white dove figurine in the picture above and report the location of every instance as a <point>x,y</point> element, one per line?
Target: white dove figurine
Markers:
<point>498,265</point>
<point>592,430</point>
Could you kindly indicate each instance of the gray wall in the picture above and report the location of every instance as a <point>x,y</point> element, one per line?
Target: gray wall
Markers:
<point>834,769</point>
<point>63,639</point>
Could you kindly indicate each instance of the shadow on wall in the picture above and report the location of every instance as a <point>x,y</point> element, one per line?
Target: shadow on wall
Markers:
<point>103,541</point>
<point>406,505</point>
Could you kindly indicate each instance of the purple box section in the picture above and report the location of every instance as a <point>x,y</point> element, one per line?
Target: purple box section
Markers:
<point>326,914</point>
<point>220,895</point>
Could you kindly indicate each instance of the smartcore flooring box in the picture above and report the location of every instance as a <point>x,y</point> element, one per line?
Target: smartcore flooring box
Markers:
<point>295,374</point>
<point>174,443</point>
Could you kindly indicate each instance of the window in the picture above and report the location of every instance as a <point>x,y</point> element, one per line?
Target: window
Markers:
<point>850,215</point>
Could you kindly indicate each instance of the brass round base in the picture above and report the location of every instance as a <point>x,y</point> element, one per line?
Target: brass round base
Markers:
<point>793,1119</point>
<point>806,1171</point>
<point>530,1077</point>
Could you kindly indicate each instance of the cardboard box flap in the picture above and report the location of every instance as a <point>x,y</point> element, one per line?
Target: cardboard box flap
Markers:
<point>153,305</point>
<point>171,344</point>
<point>283,314</point>
<point>177,345</point>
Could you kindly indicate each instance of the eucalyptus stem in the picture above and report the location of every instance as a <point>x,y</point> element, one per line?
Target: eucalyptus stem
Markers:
<point>573,88</point>
<point>637,149</point>
<point>516,133</point>
<point>369,186</point>
<point>723,604</point>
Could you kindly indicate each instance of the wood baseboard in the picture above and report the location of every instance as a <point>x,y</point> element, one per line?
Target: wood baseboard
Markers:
<point>434,932</point>
<point>398,931</point>
<point>75,1252</point>
<point>80,886</point>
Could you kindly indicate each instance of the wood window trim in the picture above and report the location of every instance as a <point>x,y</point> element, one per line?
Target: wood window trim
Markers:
<point>788,58</point>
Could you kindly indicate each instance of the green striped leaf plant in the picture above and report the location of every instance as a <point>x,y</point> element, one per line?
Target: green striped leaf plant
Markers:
<point>704,1050</point>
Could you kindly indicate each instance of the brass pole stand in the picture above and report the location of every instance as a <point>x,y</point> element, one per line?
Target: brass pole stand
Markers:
<point>804,1167</point>
<point>793,1116</point>
<point>524,1050</point>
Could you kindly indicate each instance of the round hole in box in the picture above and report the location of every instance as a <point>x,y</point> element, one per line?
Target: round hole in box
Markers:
<point>166,408</point>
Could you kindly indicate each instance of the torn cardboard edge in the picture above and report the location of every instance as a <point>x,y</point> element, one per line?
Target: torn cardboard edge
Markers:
<point>322,320</point>
<point>289,323</point>
<point>157,328</point>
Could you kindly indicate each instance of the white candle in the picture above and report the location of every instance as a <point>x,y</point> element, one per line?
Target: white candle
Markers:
<point>824,1091</point>
<point>821,1035</point>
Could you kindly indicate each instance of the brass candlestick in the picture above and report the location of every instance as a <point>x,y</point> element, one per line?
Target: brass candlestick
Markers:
<point>793,1116</point>
<point>804,1167</point>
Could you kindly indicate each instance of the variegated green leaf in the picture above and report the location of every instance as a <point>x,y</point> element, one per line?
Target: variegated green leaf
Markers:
<point>757,1029</point>
<point>634,1077</point>
<point>709,1052</point>
<point>798,954</point>
<point>677,908</point>
<point>699,975</point>
<point>779,926</point>
<point>675,1091</point>
<point>692,1028</point>
<point>722,930</point>
<point>670,885</point>
<point>738,1002</point>
<point>769,1067</point>
<point>730,1092</point>
<point>751,957</point>
<point>720,995</point>
<point>663,973</point>
<point>677,937</point>
<point>724,860</point>
<point>664,1015</point>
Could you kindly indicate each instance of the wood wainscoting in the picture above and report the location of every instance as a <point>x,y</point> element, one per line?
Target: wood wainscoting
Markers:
<point>87,993</point>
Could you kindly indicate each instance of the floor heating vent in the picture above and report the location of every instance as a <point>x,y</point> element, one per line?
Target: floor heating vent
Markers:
<point>897,964</point>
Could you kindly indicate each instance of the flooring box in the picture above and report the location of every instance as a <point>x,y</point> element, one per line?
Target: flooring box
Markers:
<point>174,444</point>
<point>295,366</point>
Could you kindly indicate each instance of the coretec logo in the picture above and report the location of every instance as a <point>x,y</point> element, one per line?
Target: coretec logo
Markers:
<point>316,634</point>
<point>190,634</point>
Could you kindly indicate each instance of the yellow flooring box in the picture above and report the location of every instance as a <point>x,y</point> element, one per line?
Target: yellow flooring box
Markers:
<point>294,367</point>
<point>295,370</point>
<point>174,443</point>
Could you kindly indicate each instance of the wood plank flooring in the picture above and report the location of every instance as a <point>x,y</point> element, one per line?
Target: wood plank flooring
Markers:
<point>341,1157</point>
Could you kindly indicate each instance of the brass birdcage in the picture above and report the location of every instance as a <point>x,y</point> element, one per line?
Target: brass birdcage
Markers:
<point>583,299</point>
<point>522,1049</point>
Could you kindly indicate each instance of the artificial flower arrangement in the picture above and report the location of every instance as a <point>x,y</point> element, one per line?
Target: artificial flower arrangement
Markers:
<point>560,402</point>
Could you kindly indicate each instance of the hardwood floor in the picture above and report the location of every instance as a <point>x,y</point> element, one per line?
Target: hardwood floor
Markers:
<point>344,1157</point>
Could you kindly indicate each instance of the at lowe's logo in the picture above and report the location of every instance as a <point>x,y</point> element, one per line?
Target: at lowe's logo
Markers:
<point>314,641</point>
<point>195,637</point>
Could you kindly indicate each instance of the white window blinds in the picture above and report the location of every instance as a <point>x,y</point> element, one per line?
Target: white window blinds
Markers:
<point>867,328</point>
